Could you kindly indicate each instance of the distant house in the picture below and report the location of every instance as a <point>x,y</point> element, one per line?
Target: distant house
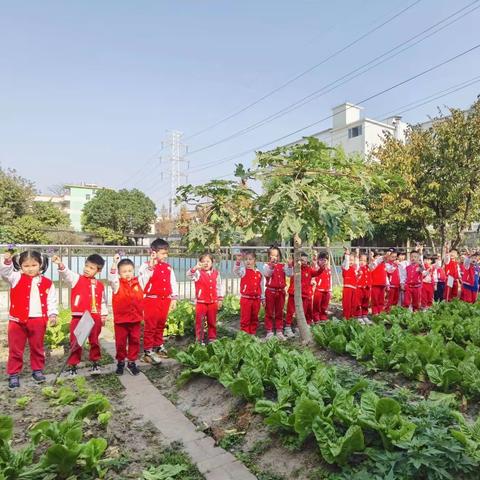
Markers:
<point>72,201</point>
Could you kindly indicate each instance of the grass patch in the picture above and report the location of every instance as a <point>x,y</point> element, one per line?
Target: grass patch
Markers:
<point>107,383</point>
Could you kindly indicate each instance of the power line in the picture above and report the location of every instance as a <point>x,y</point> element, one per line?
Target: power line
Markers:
<point>365,100</point>
<point>348,76</point>
<point>304,72</point>
<point>285,84</point>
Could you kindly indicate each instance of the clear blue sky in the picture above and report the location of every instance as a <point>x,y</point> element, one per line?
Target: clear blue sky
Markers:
<point>89,88</point>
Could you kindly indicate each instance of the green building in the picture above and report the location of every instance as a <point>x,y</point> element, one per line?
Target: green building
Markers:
<point>77,196</point>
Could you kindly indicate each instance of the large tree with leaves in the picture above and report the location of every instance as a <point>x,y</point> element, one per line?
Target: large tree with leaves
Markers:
<point>115,215</point>
<point>16,195</point>
<point>311,193</point>
<point>222,214</point>
<point>433,176</point>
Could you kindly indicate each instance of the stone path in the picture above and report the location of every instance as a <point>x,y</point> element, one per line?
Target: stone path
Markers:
<point>213,462</point>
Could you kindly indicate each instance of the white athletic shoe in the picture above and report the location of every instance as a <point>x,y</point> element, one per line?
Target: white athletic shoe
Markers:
<point>281,336</point>
<point>361,320</point>
<point>268,336</point>
<point>289,332</point>
<point>367,321</point>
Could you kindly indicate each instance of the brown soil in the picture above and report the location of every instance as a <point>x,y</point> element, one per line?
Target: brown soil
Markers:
<point>235,427</point>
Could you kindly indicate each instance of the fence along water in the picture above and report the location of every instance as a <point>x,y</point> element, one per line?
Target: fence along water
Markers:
<point>181,260</point>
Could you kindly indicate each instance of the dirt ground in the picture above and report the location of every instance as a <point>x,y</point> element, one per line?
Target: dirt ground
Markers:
<point>235,427</point>
<point>133,445</point>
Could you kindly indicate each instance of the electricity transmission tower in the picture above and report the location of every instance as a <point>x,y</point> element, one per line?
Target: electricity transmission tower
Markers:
<point>178,165</point>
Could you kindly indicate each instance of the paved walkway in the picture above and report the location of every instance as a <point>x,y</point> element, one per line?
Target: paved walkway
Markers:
<point>213,462</point>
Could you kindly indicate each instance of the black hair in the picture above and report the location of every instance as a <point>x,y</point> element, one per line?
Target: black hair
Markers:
<point>401,252</point>
<point>250,252</point>
<point>159,244</point>
<point>274,247</point>
<point>96,259</point>
<point>304,254</point>
<point>125,261</point>
<point>206,254</point>
<point>376,253</point>
<point>41,259</point>
<point>392,250</point>
<point>322,256</point>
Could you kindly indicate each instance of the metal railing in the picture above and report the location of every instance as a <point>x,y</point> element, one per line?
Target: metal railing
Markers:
<point>180,259</point>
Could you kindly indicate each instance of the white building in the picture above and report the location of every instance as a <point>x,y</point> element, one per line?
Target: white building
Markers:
<point>357,134</point>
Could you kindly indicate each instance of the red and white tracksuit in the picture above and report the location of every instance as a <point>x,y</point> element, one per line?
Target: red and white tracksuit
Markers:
<point>32,301</point>
<point>393,295</point>
<point>159,288</point>
<point>364,285</point>
<point>251,295</point>
<point>87,295</point>
<point>349,292</point>
<point>307,273</point>
<point>413,286</point>
<point>208,292</point>
<point>275,283</point>
<point>322,295</point>
<point>467,275</point>
<point>127,304</point>
<point>379,283</point>
<point>428,286</point>
<point>452,273</point>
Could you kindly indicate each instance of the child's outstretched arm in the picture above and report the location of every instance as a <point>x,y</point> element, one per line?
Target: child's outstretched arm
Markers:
<point>146,270</point>
<point>194,272</point>
<point>113,274</point>
<point>65,273</point>
<point>7,271</point>
<point>104,308</point>
<point>239,268</point>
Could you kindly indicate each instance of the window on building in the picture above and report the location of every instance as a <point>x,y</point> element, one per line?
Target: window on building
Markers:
<point>355,131</point>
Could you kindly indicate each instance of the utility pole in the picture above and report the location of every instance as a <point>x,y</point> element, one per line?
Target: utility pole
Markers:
<point>178,166</point>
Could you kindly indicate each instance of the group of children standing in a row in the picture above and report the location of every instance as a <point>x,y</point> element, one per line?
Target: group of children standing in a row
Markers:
<point>377,282</point>
<point>381,281</point>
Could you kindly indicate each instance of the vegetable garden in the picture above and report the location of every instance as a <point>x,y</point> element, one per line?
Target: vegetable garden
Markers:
<point>365,428</point>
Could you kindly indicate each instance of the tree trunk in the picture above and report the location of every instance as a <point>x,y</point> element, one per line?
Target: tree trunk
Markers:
<point>304,329</point>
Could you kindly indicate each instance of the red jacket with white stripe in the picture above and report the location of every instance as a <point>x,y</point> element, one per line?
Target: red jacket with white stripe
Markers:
<point>251,283</point>
<point>277,278</point>
<point>393,274</point>
<point>324,281</point>
<point>81,296</point>
<point>207,285</point>
<point>414,275</point>
<point>20,298</point>
<point>160,283</point>
<point>307,273</point>
<point>364,277</point>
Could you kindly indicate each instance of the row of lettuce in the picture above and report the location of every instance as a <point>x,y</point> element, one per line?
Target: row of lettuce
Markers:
<point>67,449</point>
<point>361,425</point>
<point>441,345</point>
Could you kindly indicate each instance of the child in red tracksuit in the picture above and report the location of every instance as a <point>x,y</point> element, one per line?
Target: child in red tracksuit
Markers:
<point>452,273</point>
<point>379,282</point>
<point>160,297</point>
<point>413,282</point>
<point>323,289</point>
<point>33,302</point>
<point>209,296</point>
<point>349,292</point>
<point>251,291</point>
<point>87,295</point>
<point>307,273</point>
<point>428,283</point>
<point>275,274</point>
<point>467,276</point>
<point>127,303</point>
<point>393,272</point>
<point>364,286</point>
